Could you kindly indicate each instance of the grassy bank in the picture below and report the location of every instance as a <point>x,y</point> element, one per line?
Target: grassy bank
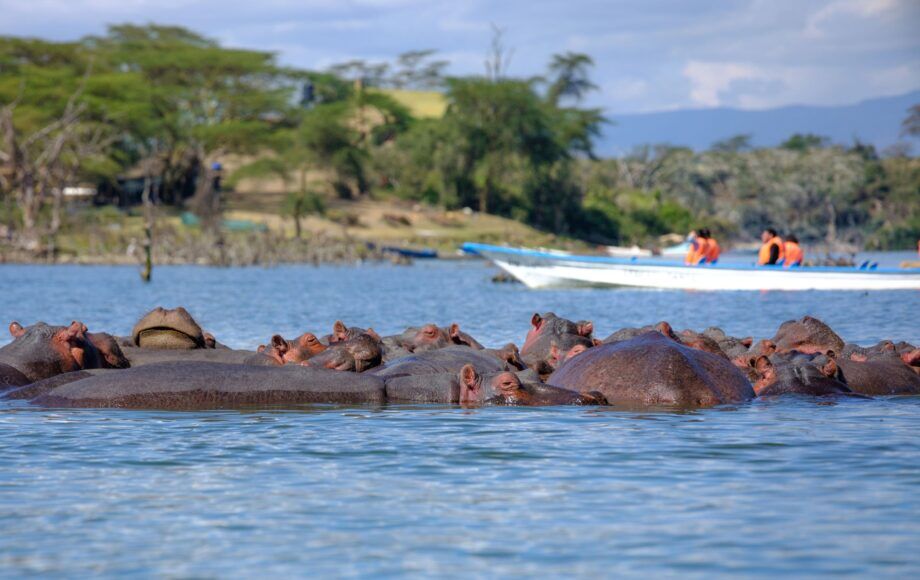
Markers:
<point>342,234</point>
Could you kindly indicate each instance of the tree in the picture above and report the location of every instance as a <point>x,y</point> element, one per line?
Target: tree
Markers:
<point>569,77</point>
<point>911,125</point>
<point>804,141</point>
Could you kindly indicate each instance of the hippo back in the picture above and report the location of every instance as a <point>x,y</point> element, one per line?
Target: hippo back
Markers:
<point>652,370</point>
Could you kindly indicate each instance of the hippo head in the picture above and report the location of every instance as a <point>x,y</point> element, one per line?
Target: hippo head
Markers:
<point>807,374</point>
<point>110,354</point>
<point>507,389</point>
<point>549,324</point>
<point>700,341</point>
<point>341,333</point>
<point>168,329</point>
<point>421,339</point>
<point>356,354</point>
<point>808,335</point>
<point>41,351</point>
<point>294,351</point>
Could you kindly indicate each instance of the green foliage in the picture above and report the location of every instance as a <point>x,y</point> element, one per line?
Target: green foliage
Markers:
<point>804,141</point>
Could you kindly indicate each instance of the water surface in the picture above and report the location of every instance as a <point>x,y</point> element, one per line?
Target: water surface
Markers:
<point>789,487</point>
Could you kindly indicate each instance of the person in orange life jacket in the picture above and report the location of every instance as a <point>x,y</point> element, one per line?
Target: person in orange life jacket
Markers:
<point>772,251</point>
<point>695,252</point>
<point>794,255</point>
<point>711,249</point>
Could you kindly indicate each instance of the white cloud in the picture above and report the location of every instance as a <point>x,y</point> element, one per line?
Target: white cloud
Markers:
<point>709,80</point>
<point>859,8</point>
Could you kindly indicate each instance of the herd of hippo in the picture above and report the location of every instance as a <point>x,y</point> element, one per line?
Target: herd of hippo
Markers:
<point>169,362</point>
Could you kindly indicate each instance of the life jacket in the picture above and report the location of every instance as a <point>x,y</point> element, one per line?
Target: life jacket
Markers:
<point>793,254</point>
<point>695,253</point>
<point>764,257</point>
<point>713,251</point>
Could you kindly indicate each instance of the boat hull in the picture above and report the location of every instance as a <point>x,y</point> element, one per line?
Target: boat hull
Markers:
<point>539,270</point>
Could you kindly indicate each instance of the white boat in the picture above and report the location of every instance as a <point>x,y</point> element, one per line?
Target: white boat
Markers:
<point>628,252</point>
<point>537,269</point>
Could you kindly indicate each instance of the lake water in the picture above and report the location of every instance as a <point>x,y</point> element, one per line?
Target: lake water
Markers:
<point>789,487</point>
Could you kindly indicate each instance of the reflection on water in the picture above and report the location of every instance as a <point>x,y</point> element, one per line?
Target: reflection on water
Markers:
<point>775,487</point>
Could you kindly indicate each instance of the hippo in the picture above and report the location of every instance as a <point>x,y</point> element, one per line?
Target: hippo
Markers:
<point>808,336</point>
<point>293,351</point>
<point>651,370</point>
<point>41,351</point>
<point>730,345</point>
<point>44,386</point>
<point>208,385</point>
<point>509,354</point>
<point>797,373</point>
<point>432,376</point>
<point>356,354</point>
<point>341,333</point>
<point>879,375</point>
<point>146,356</point>
<point>430,337</point>
<point>629,333</point>
<point>549,330</point>
<point>507,389</point>
<point>168,329</point>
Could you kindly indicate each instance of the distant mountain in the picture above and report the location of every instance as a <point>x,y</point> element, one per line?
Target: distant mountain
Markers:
<point>875,121</point>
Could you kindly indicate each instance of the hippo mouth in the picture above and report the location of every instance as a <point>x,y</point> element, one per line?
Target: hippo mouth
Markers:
<point>165,338</point>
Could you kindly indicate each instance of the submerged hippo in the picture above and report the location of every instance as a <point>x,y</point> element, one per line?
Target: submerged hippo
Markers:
<point>204,385</point>
<point>652,369</point>
<point>550,338</point>
<point>507,389</point>
<point>881,375</point>
<point>432,376</point>
<point>168,329</point>
<point>808,336</point>
<point>40,351</point>
<point>356,354</point>
<point>797,373</point>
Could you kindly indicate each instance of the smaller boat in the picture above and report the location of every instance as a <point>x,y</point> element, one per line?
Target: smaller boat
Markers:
<point>538,269</point>
<point>423,253</point>
<point>680,249</point>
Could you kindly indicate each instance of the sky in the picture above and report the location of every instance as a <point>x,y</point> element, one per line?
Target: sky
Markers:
<point>649,55</point>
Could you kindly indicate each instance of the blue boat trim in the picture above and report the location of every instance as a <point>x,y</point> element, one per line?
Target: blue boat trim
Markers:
<point>478,249</point>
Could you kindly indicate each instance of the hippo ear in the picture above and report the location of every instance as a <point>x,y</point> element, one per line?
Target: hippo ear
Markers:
<point>16,329</point>
<point>453,331</point>
<point>597,341</point>
<point>747,341</point>
<point>209,340</point>
<point>829,369</point>
<point>76,330</point>
<point>585,328</point>
<point>468,377</point>
<point>665,329</point>
<point>373,334</point>
<point>339,330</point>
<point>769,347</point>
<point>279,344</point>
<point>260,348</point>
<point>536,320</point>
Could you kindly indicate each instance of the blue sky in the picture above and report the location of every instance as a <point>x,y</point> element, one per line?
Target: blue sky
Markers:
<point>650,55</point>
